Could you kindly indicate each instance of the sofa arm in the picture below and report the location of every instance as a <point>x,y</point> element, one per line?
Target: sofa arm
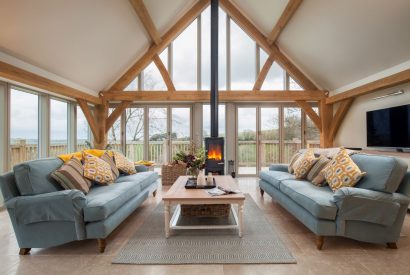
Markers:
<point>63,205</point>
<point>141,168</point>
<point>279,167</point>
<point>368,205</point>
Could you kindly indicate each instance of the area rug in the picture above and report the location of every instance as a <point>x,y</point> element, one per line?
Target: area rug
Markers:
<point>259,244</point>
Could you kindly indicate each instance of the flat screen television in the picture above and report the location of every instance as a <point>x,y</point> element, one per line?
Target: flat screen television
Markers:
<point>389,127</point>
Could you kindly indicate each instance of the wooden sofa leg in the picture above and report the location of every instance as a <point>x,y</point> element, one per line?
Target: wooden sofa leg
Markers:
<point>101,245</point>
<point>154,193</point>
<point>262,192</point>
<point>24,251</point>
<point>319,242</point>
<point>391,245</point>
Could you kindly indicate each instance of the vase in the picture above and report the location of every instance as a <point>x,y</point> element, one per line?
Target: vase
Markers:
<point>193,172</point>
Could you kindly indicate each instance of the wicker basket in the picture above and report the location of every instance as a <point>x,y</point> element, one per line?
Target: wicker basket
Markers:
<point>171,172</point>
<point>206,210</point>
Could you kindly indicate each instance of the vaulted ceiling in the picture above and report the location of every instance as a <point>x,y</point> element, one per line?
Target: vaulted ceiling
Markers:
<point>93,42</point>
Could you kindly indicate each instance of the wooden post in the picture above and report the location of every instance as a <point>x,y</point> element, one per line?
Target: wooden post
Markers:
<point>100,115</point>
<point>326,115</point>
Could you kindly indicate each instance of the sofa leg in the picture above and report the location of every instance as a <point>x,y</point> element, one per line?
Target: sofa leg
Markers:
<point>154,193</point>
<point>262,192</point>
<point>391,245</point>
<point>319,242</point>
<point>101,245</point>
<point>24,251</point>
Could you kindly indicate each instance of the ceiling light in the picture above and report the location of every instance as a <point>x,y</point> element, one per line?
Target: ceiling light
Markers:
<point>399,92</point>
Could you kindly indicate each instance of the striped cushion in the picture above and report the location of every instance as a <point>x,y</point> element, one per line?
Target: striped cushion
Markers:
<point>123,164</point>
<point>108,159</point>
<point>97,170</point>
<point>316,169</point>
<point>71,176</point>
<point>319,180</point>
<point>293,160</point>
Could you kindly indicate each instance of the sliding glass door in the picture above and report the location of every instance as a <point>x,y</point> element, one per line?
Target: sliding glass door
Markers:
<point>269,137</point>
<point>246,140</point>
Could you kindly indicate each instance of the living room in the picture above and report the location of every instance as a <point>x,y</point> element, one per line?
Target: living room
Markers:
<point>125,125</point>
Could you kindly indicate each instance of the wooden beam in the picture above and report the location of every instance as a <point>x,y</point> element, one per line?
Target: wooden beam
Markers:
<point>115,115</point>
<point>310,113</point>
<point>224,96</point>
<point>383,83</point>
<point>326,116</point>
<point>164,73</point>
<point>89,116</point>
<point>263,73</point>
<point>287,14</point>
<point>25,77</point>
<point>339,116</point>
<point>168,37</point>
<point>146,20</point>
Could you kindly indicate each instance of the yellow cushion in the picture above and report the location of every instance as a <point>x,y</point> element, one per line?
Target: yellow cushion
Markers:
<point>342,171</point>
<point>123,164</point>
<point>79,154</point>
<point>303,166</point>
<point>97,170</point>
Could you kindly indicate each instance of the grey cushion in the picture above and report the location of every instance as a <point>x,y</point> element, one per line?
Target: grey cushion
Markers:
<point>145,178</point>
<point>275,177</point>
<point>383,173</point>
<point>317,200</point>
<point>33,177</point>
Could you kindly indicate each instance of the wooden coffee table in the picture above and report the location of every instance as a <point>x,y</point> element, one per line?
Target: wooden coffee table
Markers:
<point>178,195</point>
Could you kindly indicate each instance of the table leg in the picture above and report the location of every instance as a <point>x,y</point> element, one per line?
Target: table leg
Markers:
<point>166,215</point>
<point>240,218</point>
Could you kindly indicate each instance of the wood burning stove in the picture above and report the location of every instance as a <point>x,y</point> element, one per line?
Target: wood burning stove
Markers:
<point>214,150</point>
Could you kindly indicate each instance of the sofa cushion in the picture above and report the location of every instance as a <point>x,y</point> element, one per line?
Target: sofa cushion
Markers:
<point>317,200</point>
<point>97,170</point>
<point>144,178</point>
<point>274,177</point>
<point>383,173</point>
<point>123,164</point>
<point>34,177</point>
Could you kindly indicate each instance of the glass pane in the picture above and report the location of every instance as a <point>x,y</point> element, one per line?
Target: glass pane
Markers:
<point>275,79</point>
<point>181,130</point>
<point>206,120</point>
<point>153,80</point>
<point>246,141</point>
<point>133,86</point>
<point>206,49</point>
<point>23,127</point>
<point>58,127</point>
<point>185,59</point>
<point>83,130</point>
<point>312,134</point>
<point>157,136</point>
<point>293,85</point>
<point>292,132</point>
<point>243,59</point>
<point>269,137</point>
<point>114,134</point>
<point>134,133</point>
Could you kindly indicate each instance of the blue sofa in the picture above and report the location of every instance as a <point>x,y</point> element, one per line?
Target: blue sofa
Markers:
<point>372,211</point>
<point>43,215</point>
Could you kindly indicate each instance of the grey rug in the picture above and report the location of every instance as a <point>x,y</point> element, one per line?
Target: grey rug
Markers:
<point>260,243</point>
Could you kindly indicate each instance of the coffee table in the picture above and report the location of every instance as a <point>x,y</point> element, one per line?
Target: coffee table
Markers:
<point>178,195</point>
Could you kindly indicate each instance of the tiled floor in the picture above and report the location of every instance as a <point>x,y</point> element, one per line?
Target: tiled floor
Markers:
<point>340,255</point>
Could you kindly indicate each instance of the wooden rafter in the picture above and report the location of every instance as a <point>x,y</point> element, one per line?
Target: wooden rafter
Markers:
<point>262,41</point>
<point>224,96</point>
<point>168,37</point>
<point>89,116</point>
<point>146,20</point>
<point>386,82</point>
<point>116,114</point>
<point>263,73</point>
<point>25,77</point>
<point>164,73</point>
<point>339,116</point>
<point>310,113</point>
<point>287,14</point>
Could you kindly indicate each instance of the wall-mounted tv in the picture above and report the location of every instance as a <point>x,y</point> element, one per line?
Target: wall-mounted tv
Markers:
<point>389,127</point>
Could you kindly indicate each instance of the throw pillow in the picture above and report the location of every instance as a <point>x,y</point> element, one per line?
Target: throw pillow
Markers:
<point>97,170</point>
<point>71,176</point>
<point>319,180</point>
<point>108,159</point>
<point>315,171</point>
<point>342,171</point>
<point>123,164</point>
<point>305,163</point>
<point>293,160</point>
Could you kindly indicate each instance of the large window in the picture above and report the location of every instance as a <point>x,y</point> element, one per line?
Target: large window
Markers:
<point>181,130</point>
<point>58,127</point>
<point>206,120</point>
<point>83,130</point>
<point>275,79</point>
<point>134,133</point>
<point>292,134</point>
<point>246,140</point>
<point>312,133</point>
<point>269,139</point>
<point>24,135</point>
<point>153,80</point>
<point>114,134</point>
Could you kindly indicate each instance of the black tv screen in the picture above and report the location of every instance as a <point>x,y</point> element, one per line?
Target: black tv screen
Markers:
<point>389,127</point>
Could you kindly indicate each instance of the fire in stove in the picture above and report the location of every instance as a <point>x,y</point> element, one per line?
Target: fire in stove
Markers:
<point>214,152</point>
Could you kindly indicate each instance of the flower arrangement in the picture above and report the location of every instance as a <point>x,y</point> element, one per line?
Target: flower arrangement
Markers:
<point>194,160</point>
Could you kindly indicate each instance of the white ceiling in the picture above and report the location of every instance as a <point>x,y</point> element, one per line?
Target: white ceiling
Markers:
<point>92,42</point>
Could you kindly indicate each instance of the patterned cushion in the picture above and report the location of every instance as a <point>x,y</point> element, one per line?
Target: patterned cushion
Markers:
<point>342,171</point>
<point>71,176</point>
<point>304,165</point>
<point>108,159</point>
<point>316,169</point>
<point>293,161</point>
<point>97,170</point>
<point>123,164</point>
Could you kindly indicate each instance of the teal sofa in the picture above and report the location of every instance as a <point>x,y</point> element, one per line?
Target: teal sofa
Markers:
<point>372,211</point>
<point>43,215</point>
